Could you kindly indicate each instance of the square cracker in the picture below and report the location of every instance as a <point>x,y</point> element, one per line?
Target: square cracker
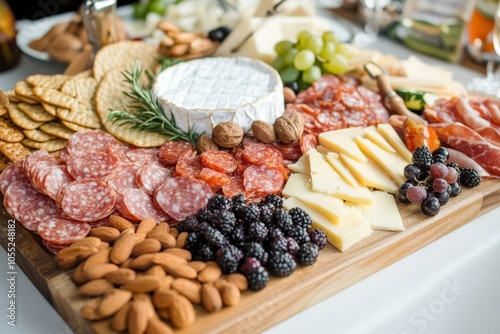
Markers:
<point>51,109</point>
<point>24,89</point>
<point>57,129</point>
<point>14,151</point>
<point>38,135</point>
<point>82,89</point>
<point>53,96</point>
<point>49,81</point>
<point>35,112</point>
<point>9,133</point>
<point>75,127</point>
<point>50,145</point>
<point>82,113</point>
<point>21,119</point>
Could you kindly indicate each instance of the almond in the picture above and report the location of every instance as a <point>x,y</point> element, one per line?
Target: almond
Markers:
<point>89,310</point>
<point>120,276</point>
<point>87,241</point>
<point>71,256</point>
<point>184,37</point>
<point>120,223</point>
<point>174,231</point>
<point>182,312</point>
<point>289,95</point>
<point>211,298</point>
<point>184,253</point>
<point>161,228</point>
<point>147,303</point>
<point>122,248</point>
<point>156,326</point>
<point>201,45</point>
<point>220,283</point>
<point>164,313</point>
<point>113,301</point>
<point>101,257</point>
<point>161,258</point>
<point>105,233</point>
<point>119,321</point>
<point>166,240</point>
<point>137,318</point>
<point>139,238</point>
<point>188,289</point>
<point>127,263</point>
<point>95,287</point>
<point>99,271</point>
<point>211,273</point>
<point>146,226</point>
<point>143,262</point>
<point>178,270</point>
<point>156,271</point>
<point>166,282</point>
<point>146,246</point>
<point>78,274</point>
<point>230,294</point>
<point>239,280</point>
<point>178,50</point>
<point>103,245</point>
<point>181,239</point>
<point>163,298</point>
<point>167,26</point>
<point>143,284</point>
<point>197,265</point>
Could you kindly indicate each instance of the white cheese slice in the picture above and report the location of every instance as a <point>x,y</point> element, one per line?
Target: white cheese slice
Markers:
<point>376,137</point>
<point>334,160</point>
<point>371,174</point>
<point>342,141</point>
<point>388,132</point>
<point>204,92</point>
<point>299,186</point>
<point>351,229</point>
<point>383,214</point>
<point>302,165</point>
<point>326,180</point>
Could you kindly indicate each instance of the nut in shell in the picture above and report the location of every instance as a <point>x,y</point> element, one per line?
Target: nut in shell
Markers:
<point>227,134</point>
<point>287,130</point>
<point>205,143</point>
<point>264,132</point>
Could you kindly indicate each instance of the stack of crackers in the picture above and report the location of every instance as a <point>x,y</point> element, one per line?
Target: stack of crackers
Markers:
<point>43,111</point>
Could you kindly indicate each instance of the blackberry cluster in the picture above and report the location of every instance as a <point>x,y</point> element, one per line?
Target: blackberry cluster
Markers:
<point>255,239</point>
<point>431,180</point>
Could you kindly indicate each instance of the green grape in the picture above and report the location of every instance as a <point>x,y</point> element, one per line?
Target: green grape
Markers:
<point>304,60</point>
<point>337,64</point>
<point>303,35</point>
<point>330,36</point>
<point>311,74</point>
<point>289,56</point>
<point>278,63</point>
<point>313,43</point>
<point>327,50</point>
<point>282,47</point>
<point>344,50</point>
<point>289,74</point>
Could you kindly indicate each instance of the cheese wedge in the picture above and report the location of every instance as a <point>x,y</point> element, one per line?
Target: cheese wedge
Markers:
<point>376,137</point>
<point>351,229</point>
<point>299,186</point>
<point>370,174</point>
<point>326,180</point>
<point>342,141</point>
<point>334,160</point>
<point>392,163</point>
<point>301,165</point>
<point>392,137</point>
<point>383,214</point>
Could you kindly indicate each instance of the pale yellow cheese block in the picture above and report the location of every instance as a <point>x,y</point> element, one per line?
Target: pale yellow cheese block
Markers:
<point>334,160</point>
<point>372,133</point>
<point>383,214</point>
<point>392,137</point>
<point>342,141</point>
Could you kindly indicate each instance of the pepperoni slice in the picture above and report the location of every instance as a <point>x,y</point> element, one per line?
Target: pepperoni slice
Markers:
<point>219,160</point>
<point>258,154</point>
<point>242,164</point>
<point>263,179</point>
<point>16,194</point>
<point>94,166</point>
<point>11,174</point>
<point>289,151</point>
<point>55,179</point>
<point>234,187</point>
<point>189,167</point>
<point>182,196</point>
<point>87,200</point>
<point>62,231</point>
<point>173,151</point>
<point>135,204</point>
<point>35,211</point>
<point>88,141</point>
<point>352,100</point>
<point>143,155</point>
<point>215,180</point>
<point>276,159</point>
<point>307,142</point>
<point>355,118</point>
<point>151,176</point>
<point>119,151</point>
<point>123,177</point>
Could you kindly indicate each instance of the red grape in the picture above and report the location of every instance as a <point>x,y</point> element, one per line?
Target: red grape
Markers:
<point>439,185</point>
<point>438,170</point>
<point>452,175</point>
<point>416,194</point>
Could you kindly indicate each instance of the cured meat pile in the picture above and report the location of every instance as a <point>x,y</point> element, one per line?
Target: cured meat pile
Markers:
<point>95,176</point>
<point>338,102</point>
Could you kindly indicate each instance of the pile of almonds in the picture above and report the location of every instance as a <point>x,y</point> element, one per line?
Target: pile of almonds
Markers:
<point>185,45</point>
<point>142,279</point>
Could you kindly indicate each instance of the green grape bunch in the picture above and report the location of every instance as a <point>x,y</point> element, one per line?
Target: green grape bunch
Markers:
<point>306,60</point>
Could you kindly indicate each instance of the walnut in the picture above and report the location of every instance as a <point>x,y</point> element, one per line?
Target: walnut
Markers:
<point>205,143</point>
<point>288,129</point>
<point>227,134</point>
<point>264,132</point>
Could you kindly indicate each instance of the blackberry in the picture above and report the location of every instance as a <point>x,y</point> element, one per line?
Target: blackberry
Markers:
<point>300,218</point>
<point>249,264</point>
<point>257,231</point>
<point>275,200</point>
<point>205,253</point>
<point>258,279</point>
<point>279,244</point>
<point>282,219</point>
<point>308,254</point>
<point>219,34</point>
<point>228,258</point>
<point>187,225</point>
<point>238,235</point>
<point>201,227</point>
<point>239,199</point>
<point>224,221</point>
<point>256,250</point>
<point>250,213</point>
<point>214,237</point>
<point>469,177</point>
<point>300,235</point>
<point>203,214</point>
<point>422,157</point>
<point>318,237</point>
<point>274,232</point>
<point>219,202</point>
<point>292,246</point>
<point>266,213</point>
<point>193,242</point>
<point>281,264</point>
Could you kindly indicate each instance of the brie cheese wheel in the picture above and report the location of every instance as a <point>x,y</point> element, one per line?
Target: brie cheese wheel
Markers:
<point>204,92</point>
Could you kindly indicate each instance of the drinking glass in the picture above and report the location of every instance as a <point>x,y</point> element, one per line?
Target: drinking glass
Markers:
<point>371,11</point>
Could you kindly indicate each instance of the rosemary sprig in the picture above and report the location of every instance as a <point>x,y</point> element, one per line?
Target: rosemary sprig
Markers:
<point>147,113</point>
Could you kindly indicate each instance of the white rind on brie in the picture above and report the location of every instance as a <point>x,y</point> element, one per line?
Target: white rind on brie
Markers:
<point>204,92</point>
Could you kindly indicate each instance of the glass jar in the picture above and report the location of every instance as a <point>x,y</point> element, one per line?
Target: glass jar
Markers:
<point>9,52</point>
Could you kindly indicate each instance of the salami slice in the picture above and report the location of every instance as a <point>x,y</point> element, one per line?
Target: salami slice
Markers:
<point>242,163</point>
<point>87,142</point>
<point>143,155</point>
<point>189,167</point>
<point>62,231</point>
<point>99,223</point>
<point>12,174</point>
<point>16,194</point>
<point>263,179</point>
<point>289,151</point>
<point>135,204</point>
<point>119,151</point>
<point>123,177</point>
<point>307,142</point>
<point>37,161</point>
<point>257,154</point>
<point>87,200</point>
<point>94,166</point>
<point>173,151</point>
<point>234,187</point>
<point>54,248</point>
<point>215,180</point>
<point>151,176</point>
<point>182,196</point>
<point>219,160</point>
<point>55,179</point>
<point>38,209</point>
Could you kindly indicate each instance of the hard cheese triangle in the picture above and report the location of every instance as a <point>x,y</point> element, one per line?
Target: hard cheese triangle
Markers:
<point>342,141</point>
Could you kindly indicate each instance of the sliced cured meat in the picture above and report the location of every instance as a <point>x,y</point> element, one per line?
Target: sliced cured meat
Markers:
<point>37,161</point>
<point>87,200</point>
<point>355,118</point>
<point>258,154</point>
<point>16,194</point>
<point>99,223</point>
<point>182,196</point>
<point>234,187</point>
<point>263,179</point>
<point>94,166</point>
<point>215,179</point>
<point>62,231</point>
<point>151,176</point>
<point>135,204</point>
<point>12,174</point>
<point>289,151</point>
<point>172,151</point>
<point>368,95</point>
<point>242,164</point>
<point>470,116</point>
<point>123,177</point>
<point>143,155</point>
<point>189,167</point>
<point>87,142</point>
<point>494,109</point>
<point>219,160</point>
<point>119,150</point>
<point>307,142</point>
<point>276,159</point>
<point>353,101</point>
<point>55,179</point>
<point>491,134</point>
<point>463,160</point>
<point>54,248</point>
<point>37,210</point>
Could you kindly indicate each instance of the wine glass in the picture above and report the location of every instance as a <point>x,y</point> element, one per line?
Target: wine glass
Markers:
<point>370,12</point>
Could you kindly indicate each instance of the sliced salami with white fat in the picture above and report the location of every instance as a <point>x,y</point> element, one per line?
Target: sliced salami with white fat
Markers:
<point>143,155</point>
<point>87,142</point>
<point>37,210</point>
<point>55,179</point>
<point>263,179</point>
<point>135,204</point>
<point>12,174</point>
<point>123,177</point>
<point>151,176</point>
<point>62,231</point>
<point>94,166</point>
<point>16,194</point>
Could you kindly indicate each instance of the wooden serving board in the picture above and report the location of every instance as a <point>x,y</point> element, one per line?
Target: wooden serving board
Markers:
<point>283,297</point>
